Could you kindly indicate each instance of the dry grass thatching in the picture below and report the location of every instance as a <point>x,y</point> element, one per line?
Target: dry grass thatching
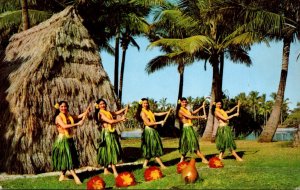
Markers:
<point>55,60</point>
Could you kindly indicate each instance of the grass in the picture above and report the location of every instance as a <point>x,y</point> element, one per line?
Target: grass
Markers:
<point>266,166</point>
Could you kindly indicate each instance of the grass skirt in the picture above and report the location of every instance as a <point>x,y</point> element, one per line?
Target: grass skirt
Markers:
<point>224,139</point>
<point>188,141</point>
<point>64,154</point>
<point>110,151</point>
<point>151,143</point>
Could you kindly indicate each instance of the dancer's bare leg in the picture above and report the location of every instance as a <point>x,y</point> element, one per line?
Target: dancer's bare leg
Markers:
<point>114,170</point>
<point>63,176</point>
<point>145,163</point>
<point>236,156</point>
<point>182,158</point>
<point>199,154</point>
<point>158,160</point>
<point>76,178</point>
<point>106,171</point>
<point>221,155</point>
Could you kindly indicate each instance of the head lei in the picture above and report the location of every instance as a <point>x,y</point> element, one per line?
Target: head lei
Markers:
<point>140,101</point>
<point>96,106</point>
<point>56,106</point>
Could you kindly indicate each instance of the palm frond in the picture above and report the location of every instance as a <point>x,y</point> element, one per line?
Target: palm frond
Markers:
<point>239,55</point>
<point>10,19</point>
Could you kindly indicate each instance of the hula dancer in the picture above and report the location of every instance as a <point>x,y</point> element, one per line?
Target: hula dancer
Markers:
<point>151,143</point>
<point>224,137</point>
<point>188,141</point>
<point>110,151</point>
<point>64,153</point>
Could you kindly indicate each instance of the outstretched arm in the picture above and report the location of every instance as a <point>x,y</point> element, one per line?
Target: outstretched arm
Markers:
<point>85,113</point>
<point>59,121</point>
<point>124,110</point>
<point>189,116</point>
<point>111,121</point>
<point>161,113</point>
<point>148,122</point>
<point>225,119</point>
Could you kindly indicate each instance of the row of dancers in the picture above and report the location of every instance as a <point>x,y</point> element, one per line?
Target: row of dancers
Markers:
<point>109,153</point>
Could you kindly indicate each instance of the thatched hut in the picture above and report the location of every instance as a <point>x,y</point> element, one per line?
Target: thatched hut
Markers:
<point>55,60</point>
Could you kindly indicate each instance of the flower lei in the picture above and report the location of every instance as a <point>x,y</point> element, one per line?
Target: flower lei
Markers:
<point>149,114</point>
<point>64,120</point>
<point>186,111</point>
<point>222,112</point>
<point>109,116</point>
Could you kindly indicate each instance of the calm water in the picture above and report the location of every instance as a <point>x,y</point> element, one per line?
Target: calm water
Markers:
<point>282,134</point>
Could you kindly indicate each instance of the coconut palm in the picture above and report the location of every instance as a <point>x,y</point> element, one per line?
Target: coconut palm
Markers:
<point>12,19</point>
<point>290,32</point>
<point>212,35</point>
<point>135,27</point>
<point>165,27</point>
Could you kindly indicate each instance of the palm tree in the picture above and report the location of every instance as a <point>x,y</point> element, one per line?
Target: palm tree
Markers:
<point>15,16</point>
<point>136,26</point>
<point>290,9</point>
<point>212,35</point>
<point>25,15</point>
<point>254,102</point>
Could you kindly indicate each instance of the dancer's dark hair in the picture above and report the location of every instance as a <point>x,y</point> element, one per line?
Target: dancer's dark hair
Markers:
<point>213,108</point>
<point>139,109</point>
<point>97,109</point>
<point>178,105</point>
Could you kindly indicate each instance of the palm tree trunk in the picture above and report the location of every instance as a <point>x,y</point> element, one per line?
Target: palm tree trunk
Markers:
<point>221,70</point>
<point>215,95</point>
<point>122,74</point>
<point>272,123</point>
<point>116,70</point>
<point>296,141</point>
<point>25,15</point>
<point>180,89</point>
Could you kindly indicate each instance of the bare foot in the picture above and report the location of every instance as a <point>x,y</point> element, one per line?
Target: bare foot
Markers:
<point>145,166</point>
<point>63,178</point>
<point>163,167</point>
<point>239,159</point>
<point>204,161</point>
<point>115,175</point>
<point>106,172</point>
<point>77,181</point>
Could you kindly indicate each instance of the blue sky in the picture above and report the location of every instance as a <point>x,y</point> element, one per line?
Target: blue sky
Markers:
<point>263,76</point>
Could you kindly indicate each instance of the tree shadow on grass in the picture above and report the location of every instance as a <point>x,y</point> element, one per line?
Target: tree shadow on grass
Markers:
<point>240,153</point>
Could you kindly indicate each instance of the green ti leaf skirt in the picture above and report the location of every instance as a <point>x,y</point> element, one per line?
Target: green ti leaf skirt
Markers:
<point>151,143</point>
<point>225,139</point>
<point>109,151</point>
<point>188,141</point>
<point>64,154</point>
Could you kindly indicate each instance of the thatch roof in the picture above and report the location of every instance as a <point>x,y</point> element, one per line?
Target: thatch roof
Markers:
<point>55,60</point>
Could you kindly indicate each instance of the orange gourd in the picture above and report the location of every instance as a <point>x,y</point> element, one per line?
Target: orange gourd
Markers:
<point>95,182</point>
<point>125,179</point>
<point>190,174</point>
<point>181,166</point>
<point>215,162</point>
<point>152,173</point>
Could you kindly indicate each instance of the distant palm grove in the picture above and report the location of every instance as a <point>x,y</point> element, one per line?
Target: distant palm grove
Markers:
<point>186,31</point>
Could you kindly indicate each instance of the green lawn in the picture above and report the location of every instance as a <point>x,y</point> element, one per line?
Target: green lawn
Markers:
<point>266,166</point>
